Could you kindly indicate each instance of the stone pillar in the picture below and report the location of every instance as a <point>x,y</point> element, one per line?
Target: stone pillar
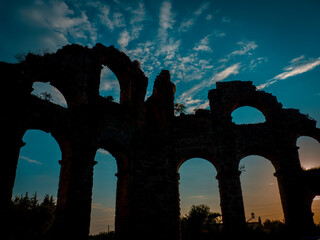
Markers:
<point>122,219</point>
<point>10,151</point>
<point>75,191</point>
<point>294,194</point>
<point>295,203</point>
<point>231,201</point>
<point>155,201</point>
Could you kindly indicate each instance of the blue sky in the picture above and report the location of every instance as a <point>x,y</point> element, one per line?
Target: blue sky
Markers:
<point>273,43</point>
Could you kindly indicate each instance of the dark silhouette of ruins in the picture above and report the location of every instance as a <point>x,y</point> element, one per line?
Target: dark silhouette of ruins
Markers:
<point>148,142</point>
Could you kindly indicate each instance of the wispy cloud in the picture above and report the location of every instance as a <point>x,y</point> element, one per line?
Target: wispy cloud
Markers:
<point>111,20</point>
<point>102,151</point>
<point>232,70</point>
<point>226,20</point>
<point>166,20</point>
<point>297,59</point>
<point>198,197</point>
<point>204,6</point>
<point>298,69</point>
<point>203,45</point>
<point>29,160</point>
<point>59,23</point>
<point>124,39</point>
<point>245,48</point>
<point>187,96</point>
<point>188,23</point>
<point>109,81</point>
<point>138,16</point>
<point>298,66</point>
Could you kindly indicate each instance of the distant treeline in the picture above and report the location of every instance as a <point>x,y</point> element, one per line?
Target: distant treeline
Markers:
<point>30,219</point>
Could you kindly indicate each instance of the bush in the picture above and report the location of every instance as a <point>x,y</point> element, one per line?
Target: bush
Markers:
<point>29,219</point>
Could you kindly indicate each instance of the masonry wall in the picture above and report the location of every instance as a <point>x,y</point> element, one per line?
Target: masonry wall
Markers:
<point>148,141</point>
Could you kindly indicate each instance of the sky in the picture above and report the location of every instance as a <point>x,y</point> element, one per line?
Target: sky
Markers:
<point>273,43</point>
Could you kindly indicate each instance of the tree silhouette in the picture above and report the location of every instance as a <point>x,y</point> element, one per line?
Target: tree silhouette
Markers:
<point>199,222</point>
<point>29,219</point>
<point>179,108</point>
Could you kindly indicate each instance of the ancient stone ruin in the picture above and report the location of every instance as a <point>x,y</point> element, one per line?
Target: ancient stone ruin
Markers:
<point>148,141</point>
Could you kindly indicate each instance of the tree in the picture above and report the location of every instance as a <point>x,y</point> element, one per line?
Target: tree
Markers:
<point>29,219</point>
<point>179,108</point>
<point>199,221</point>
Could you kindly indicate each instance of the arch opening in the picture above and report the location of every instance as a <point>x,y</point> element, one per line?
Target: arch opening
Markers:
<point>260,189</point>
<point>103,193</point>
<point>109,85</point>
<point>197,187</point>
<point>309,152</point>
<point>247,115</point>
<point>38,166</point>
<point>47,92</point>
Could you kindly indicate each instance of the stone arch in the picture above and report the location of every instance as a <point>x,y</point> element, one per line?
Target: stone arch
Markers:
<point>247,115</point>
<point>228,96</point>
<point>104,183</point>
<point>122,210</point>
<point>198,175</point>
<point>73,70</point>
<point>268,204</point>
<point>38,152</point>
<point>192,155</point>
<point>133,83</point>
<point>265,152</point>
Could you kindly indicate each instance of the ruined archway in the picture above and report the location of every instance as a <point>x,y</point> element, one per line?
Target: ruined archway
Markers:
<point>38,168</point>
<point>198,185</point>
<point>103,193</point>
<point>260,189</point>
<point>228,96</point>
<point>154,142</point>
<point>198,189</point>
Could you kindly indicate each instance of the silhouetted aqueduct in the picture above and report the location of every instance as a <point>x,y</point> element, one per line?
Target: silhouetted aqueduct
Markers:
<point>148,142</point>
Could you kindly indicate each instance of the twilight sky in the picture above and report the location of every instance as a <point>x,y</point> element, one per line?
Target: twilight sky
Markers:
<point>273,43</point>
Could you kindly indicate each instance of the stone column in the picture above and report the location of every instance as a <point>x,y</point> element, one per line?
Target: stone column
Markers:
<point>75,191</point>
<point>295,202</point>
<point>155,201</point>
<point>294,195</point>
<point>231,201</point>
<point>10,151</point>
<point>122,219</point>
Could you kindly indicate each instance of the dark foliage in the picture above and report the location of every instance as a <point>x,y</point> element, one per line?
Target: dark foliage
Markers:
<point>179,108</point>
<point>103,236</point>
<point>200,223</point>
<point>30,219</point>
